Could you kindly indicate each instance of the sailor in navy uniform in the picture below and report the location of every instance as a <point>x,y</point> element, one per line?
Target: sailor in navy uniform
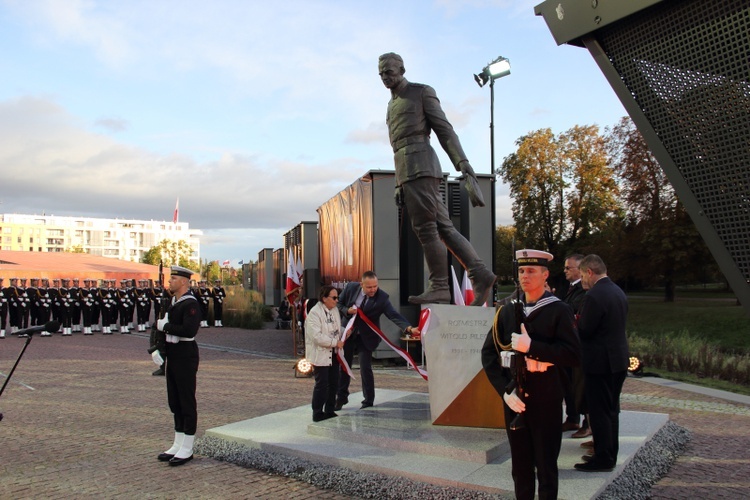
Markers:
<point>66,309</point>
<point>204,297</point>
<point>180,325</point>
<point>548,338</point>
<point>3,310</point>
<point>75,311</point>
<point>45,305</point>
<point>219,295</point>
<point>142,304</point>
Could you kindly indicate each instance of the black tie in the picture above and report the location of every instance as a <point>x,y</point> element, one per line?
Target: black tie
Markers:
<point>362,305</point>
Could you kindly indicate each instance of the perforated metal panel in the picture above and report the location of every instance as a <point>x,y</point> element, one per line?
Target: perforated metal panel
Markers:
<point>682,70</point>
<point>688,69</point>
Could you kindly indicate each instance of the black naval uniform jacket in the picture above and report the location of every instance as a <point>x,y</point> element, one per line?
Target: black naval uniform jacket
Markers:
<point>554,339</point>
<point>182,362</point>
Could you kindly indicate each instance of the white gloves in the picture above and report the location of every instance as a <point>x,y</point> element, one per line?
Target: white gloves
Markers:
<point>521,342</point>
<point>160,323</point>
<point>514,402</point>
<point>157,358</point>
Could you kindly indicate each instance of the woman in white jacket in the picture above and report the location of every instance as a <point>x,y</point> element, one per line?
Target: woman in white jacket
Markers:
<point>322,335</point>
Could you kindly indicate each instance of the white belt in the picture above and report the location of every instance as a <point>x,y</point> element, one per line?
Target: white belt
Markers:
<point>173,339</point>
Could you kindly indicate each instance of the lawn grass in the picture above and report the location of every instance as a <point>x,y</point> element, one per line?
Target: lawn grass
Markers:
<point>719,322</point>
<point>711,383</point>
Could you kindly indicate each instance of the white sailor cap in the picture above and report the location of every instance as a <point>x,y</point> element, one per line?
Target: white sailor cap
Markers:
<point>181,271</point>
<point>528,257</point>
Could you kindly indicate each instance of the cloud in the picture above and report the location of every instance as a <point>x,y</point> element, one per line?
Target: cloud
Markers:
<point>48,158</point>
<point>112,124</point>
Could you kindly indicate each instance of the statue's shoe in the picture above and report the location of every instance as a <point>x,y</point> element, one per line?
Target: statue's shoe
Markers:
<point>482,287</point>
<point>432,297</point>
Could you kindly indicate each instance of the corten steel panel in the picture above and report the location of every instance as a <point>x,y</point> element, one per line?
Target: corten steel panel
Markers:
<point>279,275</point>
<point>301,242</point>
<point>682,71</point>
<point>265,276</point>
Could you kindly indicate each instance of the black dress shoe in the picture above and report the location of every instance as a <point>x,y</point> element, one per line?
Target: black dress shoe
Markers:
<point>365,405</point>
<point>165,457</point>
<point>594,466</point>
<point>319,417</point>
<point>158,372</point>
<point>340,404</point>
<point>179,461</point>
<point>331,415</point>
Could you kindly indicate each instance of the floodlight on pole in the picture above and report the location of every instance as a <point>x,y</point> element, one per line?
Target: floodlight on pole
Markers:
<point>498,68</point>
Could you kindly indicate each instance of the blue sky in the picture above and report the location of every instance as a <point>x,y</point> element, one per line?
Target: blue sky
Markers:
<point>255,113</point>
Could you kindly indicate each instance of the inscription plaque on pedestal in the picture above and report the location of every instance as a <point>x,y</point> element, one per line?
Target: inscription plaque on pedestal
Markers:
<point>460,392</point>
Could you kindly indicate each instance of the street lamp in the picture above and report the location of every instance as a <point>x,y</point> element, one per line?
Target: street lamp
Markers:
<point>498,68</point>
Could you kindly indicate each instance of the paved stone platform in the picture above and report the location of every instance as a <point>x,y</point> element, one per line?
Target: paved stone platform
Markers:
<point>395,437</point>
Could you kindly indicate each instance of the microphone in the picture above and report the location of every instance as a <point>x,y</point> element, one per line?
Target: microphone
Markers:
<point>50,326</point>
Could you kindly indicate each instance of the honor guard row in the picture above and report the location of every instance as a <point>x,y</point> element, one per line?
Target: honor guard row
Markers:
<point>204,295</point>
<point>94,307</point>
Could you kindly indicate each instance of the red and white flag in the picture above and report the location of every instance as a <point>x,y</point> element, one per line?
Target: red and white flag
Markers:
<point>466,290</point>
<point>225,263</point>
<point>292,280</point>
<point>458,296</point>
<point>298,270</point>
<point>176,215</point>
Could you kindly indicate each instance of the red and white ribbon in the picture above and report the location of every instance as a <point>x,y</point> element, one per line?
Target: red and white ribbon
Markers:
<point>409,361</point>
<point>340,351</point>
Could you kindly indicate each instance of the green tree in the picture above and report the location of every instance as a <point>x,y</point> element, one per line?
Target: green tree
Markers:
<point>660,240</point>
<point>592,202</point>
<point>152,256</point>
<point>504,238</point>
<point>535,175</point>
<point>564,192</point>
<point>170,253</point>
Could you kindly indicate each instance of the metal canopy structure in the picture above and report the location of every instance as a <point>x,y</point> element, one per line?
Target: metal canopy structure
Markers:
<point>682,70</point>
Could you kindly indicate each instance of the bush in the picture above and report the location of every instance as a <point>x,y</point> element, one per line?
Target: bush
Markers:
<point>690,354</point>
<point>245,309</point>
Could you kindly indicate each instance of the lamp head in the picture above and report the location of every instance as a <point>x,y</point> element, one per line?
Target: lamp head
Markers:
<point>498,68</point>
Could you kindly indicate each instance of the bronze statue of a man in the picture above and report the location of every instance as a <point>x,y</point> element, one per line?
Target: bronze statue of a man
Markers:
<point>413,112</point>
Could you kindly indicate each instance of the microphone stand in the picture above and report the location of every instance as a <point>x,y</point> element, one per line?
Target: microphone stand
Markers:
<point>7,379</point>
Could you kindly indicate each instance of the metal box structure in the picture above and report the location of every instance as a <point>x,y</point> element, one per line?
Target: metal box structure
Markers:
<point>266,279</point>
<point>361,229</point>
<point>682,70</point>
<point>301,244</point>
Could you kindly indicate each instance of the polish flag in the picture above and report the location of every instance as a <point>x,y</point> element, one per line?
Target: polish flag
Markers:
<point>225,263</point>
<point>458,296</point>
<point>175,217</point>
<point>298,270</point>
<point>292,280</point>
<point>466,289</point>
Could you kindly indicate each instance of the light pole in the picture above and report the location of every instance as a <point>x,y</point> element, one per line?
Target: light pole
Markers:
<point>498,68</point>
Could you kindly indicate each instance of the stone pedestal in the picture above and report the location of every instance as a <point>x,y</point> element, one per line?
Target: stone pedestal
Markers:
<point>460,392</point>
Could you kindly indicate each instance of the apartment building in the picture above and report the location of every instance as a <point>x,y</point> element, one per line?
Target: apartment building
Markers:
<point>122,239</point>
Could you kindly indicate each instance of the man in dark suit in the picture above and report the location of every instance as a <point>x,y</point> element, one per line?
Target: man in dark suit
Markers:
<point>604,346</point>
<point>414,112</point>
<point>574,399</point>
<point>374,303</point>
